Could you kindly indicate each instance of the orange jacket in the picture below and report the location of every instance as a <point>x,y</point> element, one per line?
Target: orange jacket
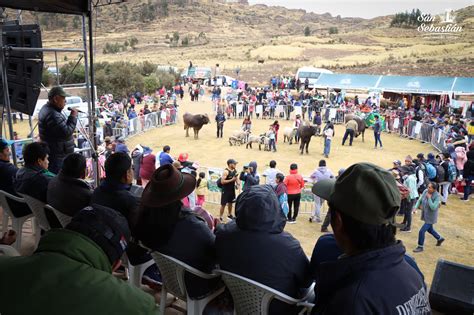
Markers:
<point>294,182</point>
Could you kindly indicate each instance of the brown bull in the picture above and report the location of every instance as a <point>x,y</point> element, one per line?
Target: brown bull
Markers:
<point>360,123</point>
<point>196,122</point>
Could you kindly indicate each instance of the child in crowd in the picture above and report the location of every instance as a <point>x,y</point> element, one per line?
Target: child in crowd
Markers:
<point>201,189</point>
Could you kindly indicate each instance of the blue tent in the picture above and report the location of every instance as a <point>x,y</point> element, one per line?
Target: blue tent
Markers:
<point>463,86</point>
<point>347,81</point>
<point>422,85</point>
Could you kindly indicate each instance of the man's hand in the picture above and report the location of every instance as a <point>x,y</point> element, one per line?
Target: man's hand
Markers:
<point>8,238</point>
<point>74,112</point>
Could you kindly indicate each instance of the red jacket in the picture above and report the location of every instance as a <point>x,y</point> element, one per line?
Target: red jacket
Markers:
<point>147,167</point>
<point>294,182</point>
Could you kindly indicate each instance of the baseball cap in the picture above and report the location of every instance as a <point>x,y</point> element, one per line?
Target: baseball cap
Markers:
<point>57,90</point>
<point>397,162</point>
<point>4,143</point>
<point>106,227</point>
<point>231,161</point>
<point>365,192</point>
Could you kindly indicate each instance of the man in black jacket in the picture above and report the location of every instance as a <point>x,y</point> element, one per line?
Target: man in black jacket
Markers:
<point>372,276</point>
<point>55,129</point>
<point>33,179</point>
<point>69,192</point>
<point>7,175</point>
<point>114,192</point>
<point>256,247</point>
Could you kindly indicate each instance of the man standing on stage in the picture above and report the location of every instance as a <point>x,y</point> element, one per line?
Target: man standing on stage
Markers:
<point>55,129</point>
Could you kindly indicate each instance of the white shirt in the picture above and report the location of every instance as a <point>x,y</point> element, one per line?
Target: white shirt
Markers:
<point>270,175</point>
<point>329,133</point>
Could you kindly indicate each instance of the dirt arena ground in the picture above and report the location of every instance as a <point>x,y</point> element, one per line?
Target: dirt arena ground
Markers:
<point>455,221</point>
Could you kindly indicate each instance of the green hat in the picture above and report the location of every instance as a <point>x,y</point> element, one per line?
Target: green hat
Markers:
<point>57,90</point>
<point>365,192</point>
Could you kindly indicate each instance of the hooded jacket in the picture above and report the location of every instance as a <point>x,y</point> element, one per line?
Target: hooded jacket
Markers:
<point>56,130</point>
<point>321,173</point>
<point>256,247</point>
<point>375,282</point>
<point>75,273</point>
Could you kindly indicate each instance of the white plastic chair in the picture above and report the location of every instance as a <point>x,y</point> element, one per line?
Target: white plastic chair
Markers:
<point>136,272</point>
<point>252,297</point>
<point>172,272</point>
<point>6,250</point>
<point>17,222</point>
<point>37,207</point>
<point>63,218</point>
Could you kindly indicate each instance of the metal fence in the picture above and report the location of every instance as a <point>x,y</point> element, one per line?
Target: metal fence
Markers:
<point>214,192</point>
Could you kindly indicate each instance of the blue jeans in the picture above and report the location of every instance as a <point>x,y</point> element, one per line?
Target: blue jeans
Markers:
<point>427,228</point>
<point>327,146</point>
<point>377,139</point>
<point>467,188</point>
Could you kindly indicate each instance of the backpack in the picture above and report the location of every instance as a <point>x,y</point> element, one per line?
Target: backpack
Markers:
<point>283,199</point>
<point>430,171</point>
<point>219,183</point>
<point>440,174</point>
<point>452,173</point>
<point>426,181</point>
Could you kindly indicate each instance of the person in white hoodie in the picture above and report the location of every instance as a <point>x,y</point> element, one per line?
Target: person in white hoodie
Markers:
<point>322,172</point>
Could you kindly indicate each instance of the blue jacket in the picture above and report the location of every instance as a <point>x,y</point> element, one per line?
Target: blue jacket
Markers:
<point>375,282</point>
<point>165,158</point>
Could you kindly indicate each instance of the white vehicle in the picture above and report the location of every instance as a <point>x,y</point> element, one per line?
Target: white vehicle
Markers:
<point>71,101</point>
<point>310,73</point>
<point>221,80</point>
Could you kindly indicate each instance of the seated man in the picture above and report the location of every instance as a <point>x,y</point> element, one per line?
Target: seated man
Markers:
<point>114,192</point>
<point>69,192</point>
<point>33,179</point>
<point>165,225</point>
<point>372,276</point>
<point>256,247</point>
<point>7,175</point>
<point>75,266</point>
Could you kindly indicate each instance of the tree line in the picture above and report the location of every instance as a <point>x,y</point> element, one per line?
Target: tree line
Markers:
<point>406,19</point>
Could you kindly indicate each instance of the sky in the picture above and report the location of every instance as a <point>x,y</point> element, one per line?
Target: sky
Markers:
<point>368,8</point>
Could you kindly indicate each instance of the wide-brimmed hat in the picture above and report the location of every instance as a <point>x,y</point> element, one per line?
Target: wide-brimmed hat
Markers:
<point>167,185</point>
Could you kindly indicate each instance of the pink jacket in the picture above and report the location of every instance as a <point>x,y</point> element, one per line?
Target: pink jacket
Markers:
<point>461,157</point>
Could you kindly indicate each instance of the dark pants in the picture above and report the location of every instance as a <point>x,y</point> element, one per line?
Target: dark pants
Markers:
<point>406,209</point>
<point>293,199</point>
<point>220,130</point>
<point>377,139</point>
<point>467,188</point>
<point>349,132</point>
<point>427,228</point>
<point>327,221</point>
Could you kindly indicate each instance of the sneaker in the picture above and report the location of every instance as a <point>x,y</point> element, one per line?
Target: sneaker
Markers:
<point>291,221</point>
<point>439,242</point>
<point>221,219</point>
<point>310,219</point>
<point>406,230</point>
<point>318,220</point>
<point>443,203</point>
<point>231,217</point>
<point>418,249</point>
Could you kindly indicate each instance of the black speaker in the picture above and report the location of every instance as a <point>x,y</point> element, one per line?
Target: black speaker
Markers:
<point>24,69</point>
<point>452,289</point>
